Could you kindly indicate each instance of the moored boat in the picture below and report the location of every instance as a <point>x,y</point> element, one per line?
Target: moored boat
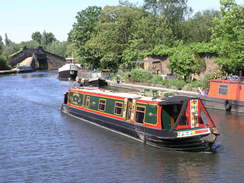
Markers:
<point>176,123</point>
<point>225,94</point>
<point>68,71</point>
<point>91,78</point>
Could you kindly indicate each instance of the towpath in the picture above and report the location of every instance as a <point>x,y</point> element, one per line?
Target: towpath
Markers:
<point>139,87</point>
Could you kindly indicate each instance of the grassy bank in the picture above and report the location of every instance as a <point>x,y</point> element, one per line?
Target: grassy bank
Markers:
<point>139,76</point>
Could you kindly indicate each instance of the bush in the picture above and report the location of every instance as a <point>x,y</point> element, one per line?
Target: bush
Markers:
<point>3,63</point>
<point>140,75</point>
<point>156,80</point>
<point>173,84</point>
<point>196,84</point>
<point>176,84</point>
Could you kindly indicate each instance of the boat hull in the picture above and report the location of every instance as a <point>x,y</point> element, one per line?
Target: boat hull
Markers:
<point>223,104</point>
<point>158,138</point>
<point>95,82</point>
<point>67,75</point>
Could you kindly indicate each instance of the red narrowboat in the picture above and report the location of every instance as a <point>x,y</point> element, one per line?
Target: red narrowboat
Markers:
<point>177,123</point>
<point>226,95</point>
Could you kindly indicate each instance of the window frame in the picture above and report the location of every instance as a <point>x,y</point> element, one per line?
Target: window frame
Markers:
<point>99,103</point>
<point>87,100</point>
<point>122,108</point>
<point>144,112</point>
<point>223,90</point>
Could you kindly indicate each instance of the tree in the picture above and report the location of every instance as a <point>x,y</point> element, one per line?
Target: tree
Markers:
<point>58,48</point>
<point>47,38</point>
<point>7,40</point>
<point>174,12</point>
<point>1,44</point>
<point>82,30</point>
<point>199,27</point>
<point>228,35</point>
<point>3,63</point>
<point>37,36</point>
<point>115,29</point>
<point>184,62</point>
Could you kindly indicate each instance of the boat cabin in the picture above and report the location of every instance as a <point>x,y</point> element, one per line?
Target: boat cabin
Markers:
<point>227,89</point>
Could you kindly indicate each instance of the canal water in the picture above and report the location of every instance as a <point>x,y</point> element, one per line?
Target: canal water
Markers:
<point>40,144</point>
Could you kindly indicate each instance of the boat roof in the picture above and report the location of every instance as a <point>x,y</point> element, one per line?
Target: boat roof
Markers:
<point>163,101</point>
<point>175,100</point>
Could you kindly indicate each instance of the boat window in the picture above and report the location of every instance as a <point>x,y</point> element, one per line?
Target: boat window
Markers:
<point>102,104</point>
<point>223,89</point>
<point>87,101</point>
<point>140,113</point>
<point>118,108</point>
<point>170,114</point>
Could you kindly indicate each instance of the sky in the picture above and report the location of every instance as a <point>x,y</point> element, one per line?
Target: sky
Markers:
<point>20,18</point>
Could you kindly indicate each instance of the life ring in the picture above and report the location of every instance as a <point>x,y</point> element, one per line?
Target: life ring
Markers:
<point>228,106</point>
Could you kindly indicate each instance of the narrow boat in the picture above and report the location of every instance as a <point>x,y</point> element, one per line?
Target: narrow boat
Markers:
<point>68,71</point>
<point>225,94</point>
<point>176,123</point>
<point>91,78</point>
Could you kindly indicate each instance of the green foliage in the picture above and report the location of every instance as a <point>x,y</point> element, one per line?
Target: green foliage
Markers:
<point>204,48</point>
<point>1,44</point>
<point>213,75</point>
<point>43,39</point>
<point>83,28</point>
<point>10,49</point>
<point>156,80</point>
<point>37,36</point>
<point>3,63</point>
<point>198,28</point>
<point>16,53</point>
<point>184,62</point>
<point>133,52</point>
<point>58,48</point>
<point>140,75</point>
<point>228,35</point>
<point>175,84</point>
<point>7,41</point>
<point>161,50</point>
<point>47,38</point>
<point>196,84</point>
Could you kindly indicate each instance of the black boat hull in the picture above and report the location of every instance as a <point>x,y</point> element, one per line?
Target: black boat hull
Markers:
<point>96,82</point>
<point>158,138</point>
<point>223,104</point>
<point>67,75</point>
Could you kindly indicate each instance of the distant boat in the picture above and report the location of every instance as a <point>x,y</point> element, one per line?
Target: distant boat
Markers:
<point>225,94</point>
<point>68,71</point>
<point>91,78</point>
<point>177,123</point>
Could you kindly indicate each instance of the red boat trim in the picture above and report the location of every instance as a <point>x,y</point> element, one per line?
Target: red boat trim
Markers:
<point>201,131</point>
<point>98,94</point>
<point>146,102</point>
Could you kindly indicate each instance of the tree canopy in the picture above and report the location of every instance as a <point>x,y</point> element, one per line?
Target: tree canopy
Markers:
<point>228,35</point>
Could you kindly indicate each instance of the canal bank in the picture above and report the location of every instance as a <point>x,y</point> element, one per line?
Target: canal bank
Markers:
<point>139,88</point>
<point>5,72</point>
<point>41,144</point>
